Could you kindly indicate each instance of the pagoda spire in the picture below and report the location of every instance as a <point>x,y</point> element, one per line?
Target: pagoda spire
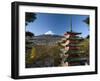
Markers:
<point>71,24</point>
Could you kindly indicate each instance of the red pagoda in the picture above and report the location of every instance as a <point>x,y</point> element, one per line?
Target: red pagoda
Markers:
<point>71,49</point>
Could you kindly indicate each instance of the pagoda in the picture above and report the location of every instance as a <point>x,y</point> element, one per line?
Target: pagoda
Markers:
<point>71,49</point>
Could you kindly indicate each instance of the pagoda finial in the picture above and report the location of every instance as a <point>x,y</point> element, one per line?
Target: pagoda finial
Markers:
<point>71,24</point>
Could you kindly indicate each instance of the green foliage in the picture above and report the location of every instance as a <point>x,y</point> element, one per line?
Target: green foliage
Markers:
<point>29,17</point>
<point>85,47</point>
<point>52,52</point>
<point>30,55</point>
<point>41,52</point>
<point>30,34</point>
<point>87,21</point>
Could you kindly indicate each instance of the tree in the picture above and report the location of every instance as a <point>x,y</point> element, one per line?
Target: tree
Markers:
<point>29,17</point>
<point>29,34</point>
<point>87,21</point>
<point>85,47</point>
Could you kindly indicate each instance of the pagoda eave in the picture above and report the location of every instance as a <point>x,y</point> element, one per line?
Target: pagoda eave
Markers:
<point>76,59</point>
<point>73,33</point>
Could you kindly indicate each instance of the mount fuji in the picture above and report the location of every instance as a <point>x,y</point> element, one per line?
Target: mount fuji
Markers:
<point>49,33</point>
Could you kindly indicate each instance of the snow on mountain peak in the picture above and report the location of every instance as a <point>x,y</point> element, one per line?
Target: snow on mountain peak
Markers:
<point>49,33</point>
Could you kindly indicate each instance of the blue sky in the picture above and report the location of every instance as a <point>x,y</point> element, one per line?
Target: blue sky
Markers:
<point>58,24</point>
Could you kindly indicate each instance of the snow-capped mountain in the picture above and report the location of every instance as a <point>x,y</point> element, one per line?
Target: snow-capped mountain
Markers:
<point>49,33</point>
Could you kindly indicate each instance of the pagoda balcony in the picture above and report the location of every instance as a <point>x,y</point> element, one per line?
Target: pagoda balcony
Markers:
<point>75,39</point>
<point>72,48</point>
<point>69,35</point>
<point>71,52</point>
<point>65,43</point>
<point>74,52</point>
<point>75,59</point>
<point>73,45</point>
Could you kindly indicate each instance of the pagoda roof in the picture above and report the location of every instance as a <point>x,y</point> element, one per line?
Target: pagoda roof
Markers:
<point>71,32</point>
<point>75,59</point>
<point>72,48</point>
<point>73,45</point>
<point>74,52</point>
<point>71,52</point>
<point>74,38</point>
